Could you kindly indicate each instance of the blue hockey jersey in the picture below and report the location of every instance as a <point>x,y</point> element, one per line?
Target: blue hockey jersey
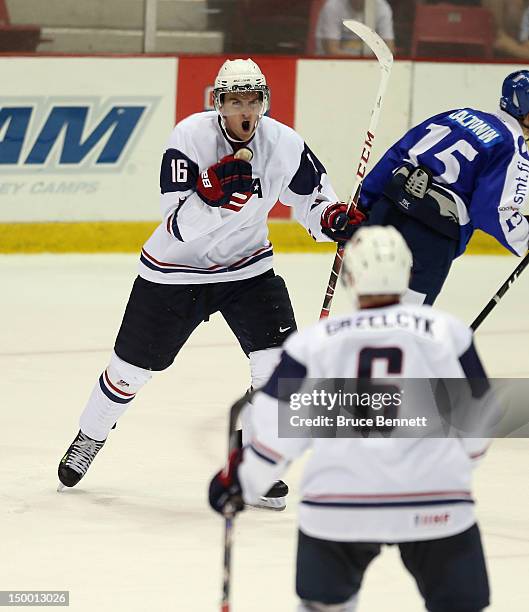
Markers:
<point>480,158</point>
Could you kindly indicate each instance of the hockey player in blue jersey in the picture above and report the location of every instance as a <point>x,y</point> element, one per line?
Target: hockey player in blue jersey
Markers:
<point>458,171</point>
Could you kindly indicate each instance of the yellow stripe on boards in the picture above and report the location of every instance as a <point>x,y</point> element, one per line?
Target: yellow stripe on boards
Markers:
<point>86,237</point>
<point>129,236</point>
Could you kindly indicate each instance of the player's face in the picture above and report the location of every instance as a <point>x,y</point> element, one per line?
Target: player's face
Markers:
<point>241,112</point>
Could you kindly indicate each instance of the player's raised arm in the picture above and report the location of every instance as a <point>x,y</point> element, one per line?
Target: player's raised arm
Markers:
<point>199,180</point>
<point>315,202</point>
<point>185,215</point>
<point>191,197</point>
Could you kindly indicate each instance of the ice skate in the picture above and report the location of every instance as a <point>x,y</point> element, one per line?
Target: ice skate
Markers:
<point>275,499</point>
<point>77,459</point>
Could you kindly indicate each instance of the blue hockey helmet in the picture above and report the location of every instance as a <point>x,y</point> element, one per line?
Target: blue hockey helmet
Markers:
<point>515,94</point>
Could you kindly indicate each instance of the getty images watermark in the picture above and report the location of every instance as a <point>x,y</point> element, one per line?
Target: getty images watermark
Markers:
<point>403,408</point>
<point>379,404</point>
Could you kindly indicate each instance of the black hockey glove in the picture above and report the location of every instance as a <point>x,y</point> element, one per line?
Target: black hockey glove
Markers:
<point>216,184</point>
<point>337,224</point>
<point>225,493</point>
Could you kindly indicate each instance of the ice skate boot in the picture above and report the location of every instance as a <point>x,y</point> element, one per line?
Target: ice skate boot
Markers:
<point>275,499</point>
<point>77,459</point>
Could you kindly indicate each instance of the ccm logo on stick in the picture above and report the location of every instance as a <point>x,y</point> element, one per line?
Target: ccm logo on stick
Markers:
<point>366,153</point>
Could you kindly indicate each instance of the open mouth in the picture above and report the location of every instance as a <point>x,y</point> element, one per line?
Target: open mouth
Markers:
<point>246,126</point>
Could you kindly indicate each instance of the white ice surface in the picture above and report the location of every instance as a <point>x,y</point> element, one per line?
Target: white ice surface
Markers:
<point>137,534</point>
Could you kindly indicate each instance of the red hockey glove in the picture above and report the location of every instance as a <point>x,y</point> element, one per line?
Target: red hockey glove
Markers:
<point>216,184</point>
<point>225,493</point>
<point>337,224</point>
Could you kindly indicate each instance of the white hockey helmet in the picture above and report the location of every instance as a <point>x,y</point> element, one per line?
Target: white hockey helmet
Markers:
<point>239,75</point>
<point>377,261</point>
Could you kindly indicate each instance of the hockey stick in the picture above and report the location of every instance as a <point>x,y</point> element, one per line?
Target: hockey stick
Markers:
<point>500,293</point>
<point>385,62</point>
<point>229,514</point>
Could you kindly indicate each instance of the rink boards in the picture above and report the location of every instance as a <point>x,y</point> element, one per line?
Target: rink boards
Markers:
<point>81,138</point>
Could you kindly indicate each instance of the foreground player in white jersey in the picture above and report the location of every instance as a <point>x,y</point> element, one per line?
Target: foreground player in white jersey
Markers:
<point>211,253</point>
<point>360,493</point>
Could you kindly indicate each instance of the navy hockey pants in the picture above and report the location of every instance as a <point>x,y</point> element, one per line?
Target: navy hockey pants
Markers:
<point>160,318</point>
<point>450,573</point>
<point>432,252</point>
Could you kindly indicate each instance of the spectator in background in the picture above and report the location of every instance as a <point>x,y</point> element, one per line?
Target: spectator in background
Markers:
<point>332,38</point>
<point>511,33</point>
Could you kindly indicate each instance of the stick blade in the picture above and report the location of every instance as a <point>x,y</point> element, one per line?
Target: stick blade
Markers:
<point>372,40</point>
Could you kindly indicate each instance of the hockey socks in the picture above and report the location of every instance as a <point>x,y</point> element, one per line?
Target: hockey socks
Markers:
<point>116,388</point>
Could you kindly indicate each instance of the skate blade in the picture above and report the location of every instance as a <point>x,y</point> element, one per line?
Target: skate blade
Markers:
<point>278,504</point>
<point>60,487</point>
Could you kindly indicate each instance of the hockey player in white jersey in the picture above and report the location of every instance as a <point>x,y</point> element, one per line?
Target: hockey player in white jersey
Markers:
<point>458,171</point>
<point>211,252</point>
<point>359,493</point>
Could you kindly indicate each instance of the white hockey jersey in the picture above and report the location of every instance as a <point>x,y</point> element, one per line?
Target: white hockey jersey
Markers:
<point>356,489</point>
<point>197,243</point>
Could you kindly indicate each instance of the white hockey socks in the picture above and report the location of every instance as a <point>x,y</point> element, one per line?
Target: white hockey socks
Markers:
<point>262,364</point>
<point>115,389</point>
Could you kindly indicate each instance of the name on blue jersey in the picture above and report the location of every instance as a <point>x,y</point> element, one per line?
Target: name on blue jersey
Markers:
<point>482,130</point>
